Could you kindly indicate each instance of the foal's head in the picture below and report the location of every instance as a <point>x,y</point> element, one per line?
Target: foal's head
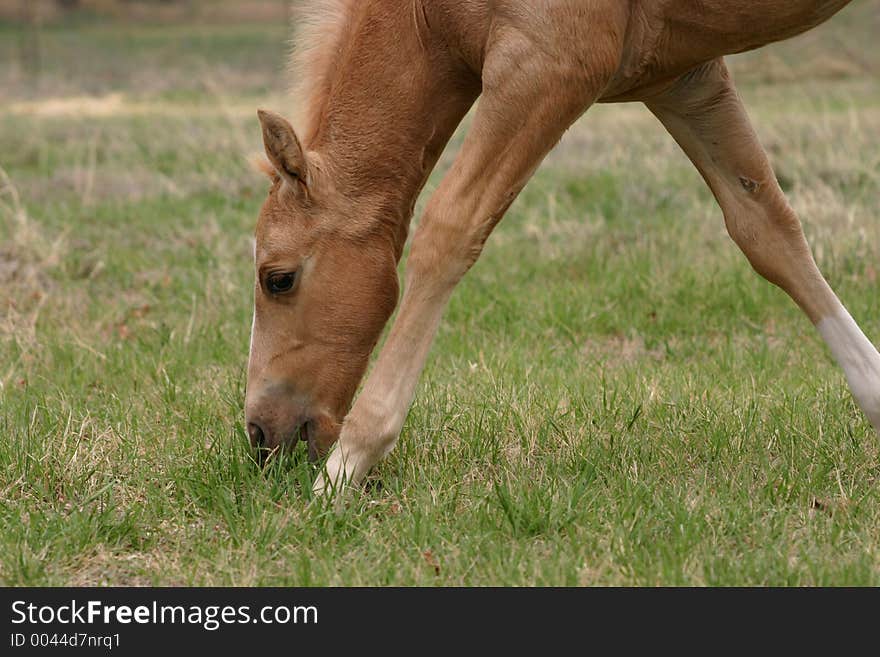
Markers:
<point>323,293</point>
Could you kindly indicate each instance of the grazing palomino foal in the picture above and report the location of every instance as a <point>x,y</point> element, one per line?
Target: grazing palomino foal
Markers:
<point>384,84</point>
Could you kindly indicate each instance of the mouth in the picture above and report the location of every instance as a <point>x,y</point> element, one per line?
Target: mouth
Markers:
<point>304,432</point>
<point>318,433</point>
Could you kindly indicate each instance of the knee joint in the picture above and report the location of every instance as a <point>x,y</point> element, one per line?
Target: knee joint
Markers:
<point>443,253</point>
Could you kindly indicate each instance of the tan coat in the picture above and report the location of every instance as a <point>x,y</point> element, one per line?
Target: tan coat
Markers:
<point>383,85</point>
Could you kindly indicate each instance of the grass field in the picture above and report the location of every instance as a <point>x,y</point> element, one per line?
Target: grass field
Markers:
<point>614,396</point>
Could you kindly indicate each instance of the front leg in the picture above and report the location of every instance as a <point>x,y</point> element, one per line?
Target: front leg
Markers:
<point>373,425</point>
<point>528,102</point>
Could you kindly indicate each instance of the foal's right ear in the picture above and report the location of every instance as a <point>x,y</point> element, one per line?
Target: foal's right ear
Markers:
<point>283,148</point>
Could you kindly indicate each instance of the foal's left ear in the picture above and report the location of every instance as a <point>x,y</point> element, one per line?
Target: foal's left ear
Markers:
<point>283,148</point>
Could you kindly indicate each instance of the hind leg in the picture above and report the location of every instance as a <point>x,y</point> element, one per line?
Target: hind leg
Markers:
<point>704,114</point>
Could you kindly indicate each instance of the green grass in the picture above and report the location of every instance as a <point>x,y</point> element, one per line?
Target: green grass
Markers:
<point>614,397</point>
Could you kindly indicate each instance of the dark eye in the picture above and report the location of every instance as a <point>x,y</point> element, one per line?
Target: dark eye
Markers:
<point>280,283</point>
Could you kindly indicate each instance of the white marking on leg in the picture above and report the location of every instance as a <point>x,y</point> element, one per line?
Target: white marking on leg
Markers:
<point>337,473</point>
<point>858,358</point>
<point>367,436</point>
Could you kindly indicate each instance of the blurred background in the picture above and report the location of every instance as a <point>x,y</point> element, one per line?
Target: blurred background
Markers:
<point>54,47</point>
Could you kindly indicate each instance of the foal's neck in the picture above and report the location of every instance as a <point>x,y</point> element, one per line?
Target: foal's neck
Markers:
<point>393,99</point>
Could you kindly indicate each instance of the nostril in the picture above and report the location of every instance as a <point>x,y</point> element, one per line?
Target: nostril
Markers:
<point>258,439</point>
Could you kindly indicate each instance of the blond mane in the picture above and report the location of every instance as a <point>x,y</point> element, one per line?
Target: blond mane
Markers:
<point>320,27</point>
